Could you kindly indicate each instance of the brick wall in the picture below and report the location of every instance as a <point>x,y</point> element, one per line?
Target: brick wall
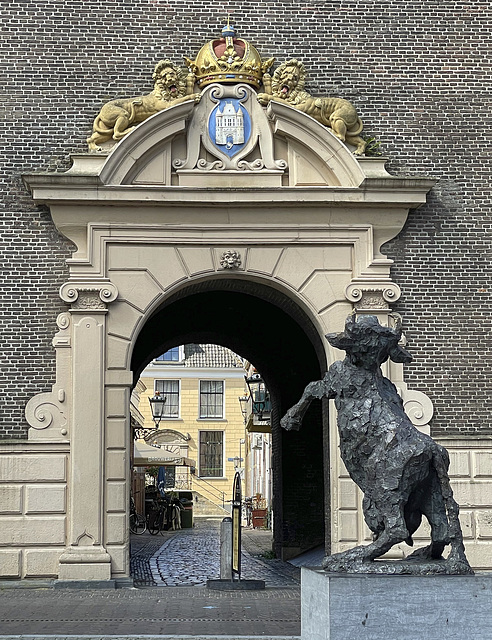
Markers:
<point>419,73</point>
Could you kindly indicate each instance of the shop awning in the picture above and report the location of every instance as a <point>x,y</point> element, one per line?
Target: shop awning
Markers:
<point>145,455</point>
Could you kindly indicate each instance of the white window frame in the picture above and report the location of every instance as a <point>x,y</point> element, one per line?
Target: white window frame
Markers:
<point>172,362</point>
<point>156,390</point>
<point>200,474</point>
<point>221,417</point>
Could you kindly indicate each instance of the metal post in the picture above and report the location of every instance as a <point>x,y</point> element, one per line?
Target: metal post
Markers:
<point>236,526</point>
<point>226,549</point>
<point>230,548</point>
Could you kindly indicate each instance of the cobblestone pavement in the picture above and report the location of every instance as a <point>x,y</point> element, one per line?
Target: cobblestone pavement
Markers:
<point>188,557</point>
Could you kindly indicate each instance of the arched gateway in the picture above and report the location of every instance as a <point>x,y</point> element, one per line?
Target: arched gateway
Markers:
<point>264,246</point>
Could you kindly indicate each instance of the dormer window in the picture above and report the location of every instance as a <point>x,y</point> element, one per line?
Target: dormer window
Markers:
<point>176,354</point>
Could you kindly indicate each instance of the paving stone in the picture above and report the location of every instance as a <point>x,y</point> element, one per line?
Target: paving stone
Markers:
<point>189,557</point>
<point>164,611</point>
<point>174,603</point>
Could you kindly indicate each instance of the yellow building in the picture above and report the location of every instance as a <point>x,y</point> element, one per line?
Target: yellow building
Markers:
<point>201,420</point>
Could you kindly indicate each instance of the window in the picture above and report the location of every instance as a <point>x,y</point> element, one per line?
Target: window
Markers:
<point>169,389</point>
<point>173,355</point>
<point>211,399</point>
<point>211,454</point>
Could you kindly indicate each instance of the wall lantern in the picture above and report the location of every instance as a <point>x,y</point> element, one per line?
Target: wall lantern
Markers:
<point>157,407</point>
<point>243,403</point>
<point>259,396</point>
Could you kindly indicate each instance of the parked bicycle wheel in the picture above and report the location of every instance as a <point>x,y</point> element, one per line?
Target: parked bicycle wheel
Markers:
<point>155,521</point>
<point>137,523</point>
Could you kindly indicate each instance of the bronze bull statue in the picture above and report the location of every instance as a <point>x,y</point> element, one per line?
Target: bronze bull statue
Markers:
<point>402,472</point>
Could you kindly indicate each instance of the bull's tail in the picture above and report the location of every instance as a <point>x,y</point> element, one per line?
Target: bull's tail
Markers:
<point>457,554</point>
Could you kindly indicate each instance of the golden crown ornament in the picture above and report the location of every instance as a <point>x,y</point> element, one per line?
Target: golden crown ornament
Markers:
<point>229,60</point>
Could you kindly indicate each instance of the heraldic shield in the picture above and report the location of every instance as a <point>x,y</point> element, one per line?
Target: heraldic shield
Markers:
<point>229,124</point>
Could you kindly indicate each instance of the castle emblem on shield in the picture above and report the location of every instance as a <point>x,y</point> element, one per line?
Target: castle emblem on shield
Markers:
<point>229,126</point>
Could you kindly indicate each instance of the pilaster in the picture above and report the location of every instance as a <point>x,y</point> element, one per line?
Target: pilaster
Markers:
<point>86,557</point>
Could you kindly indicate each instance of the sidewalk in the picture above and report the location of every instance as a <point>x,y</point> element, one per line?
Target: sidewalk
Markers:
<point>165,611</point>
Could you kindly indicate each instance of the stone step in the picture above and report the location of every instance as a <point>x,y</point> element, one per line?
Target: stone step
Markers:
<point>203,506</point>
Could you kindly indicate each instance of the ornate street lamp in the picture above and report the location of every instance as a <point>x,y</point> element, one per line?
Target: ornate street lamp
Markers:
<point>259,395</point>
<point>157,407</point>
<point>243,403</point>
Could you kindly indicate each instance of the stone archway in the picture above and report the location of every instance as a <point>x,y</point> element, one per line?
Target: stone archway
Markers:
<point>302,218</point>
<point>269,329</point>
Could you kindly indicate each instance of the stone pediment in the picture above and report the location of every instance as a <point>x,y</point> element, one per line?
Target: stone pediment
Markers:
<point>284,147</point>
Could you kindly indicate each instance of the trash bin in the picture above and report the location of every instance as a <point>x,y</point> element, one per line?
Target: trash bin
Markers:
<point>186,499</point>
<point>259,518</point>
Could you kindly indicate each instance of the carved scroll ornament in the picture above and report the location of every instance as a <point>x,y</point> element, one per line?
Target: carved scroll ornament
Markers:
<point>88,296</point>
<point>372,295</point>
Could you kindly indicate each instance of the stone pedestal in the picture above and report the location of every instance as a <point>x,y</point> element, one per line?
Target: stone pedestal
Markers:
<point>374,607</point>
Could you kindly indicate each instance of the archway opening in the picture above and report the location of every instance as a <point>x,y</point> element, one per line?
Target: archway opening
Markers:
<point>272,331</point>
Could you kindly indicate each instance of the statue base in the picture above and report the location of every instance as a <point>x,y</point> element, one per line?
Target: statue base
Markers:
<point>379,607</point>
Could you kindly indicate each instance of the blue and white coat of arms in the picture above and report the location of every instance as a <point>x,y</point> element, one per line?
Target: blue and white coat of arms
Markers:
<point>230,125</point>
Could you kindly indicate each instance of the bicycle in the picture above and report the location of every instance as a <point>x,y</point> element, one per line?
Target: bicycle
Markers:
<point>138,524</point>
<point>156,518</point>
<point>165,516</point>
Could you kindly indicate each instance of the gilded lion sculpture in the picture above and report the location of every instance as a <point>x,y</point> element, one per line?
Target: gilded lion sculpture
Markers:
<point>117,118</point>
<point>402,472</point>
<point>287,85</point>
